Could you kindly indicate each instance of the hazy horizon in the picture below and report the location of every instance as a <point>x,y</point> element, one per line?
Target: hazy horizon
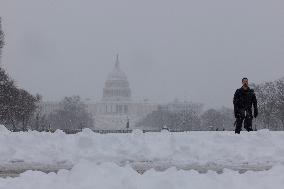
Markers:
<point>191,50</point>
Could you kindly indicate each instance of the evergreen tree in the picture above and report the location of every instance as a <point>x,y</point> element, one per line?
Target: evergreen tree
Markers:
<point>16,105</point>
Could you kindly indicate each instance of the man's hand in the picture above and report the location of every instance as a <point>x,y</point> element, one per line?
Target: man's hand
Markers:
<point>255,113</point>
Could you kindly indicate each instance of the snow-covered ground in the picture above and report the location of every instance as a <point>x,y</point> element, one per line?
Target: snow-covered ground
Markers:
<point>109,161</point>
<point>88,175</point>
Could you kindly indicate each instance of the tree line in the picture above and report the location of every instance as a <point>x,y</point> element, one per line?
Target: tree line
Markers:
<point>271,104</point>
<point>270,96</point>
<point>20,110</point>
<point>189,119</point>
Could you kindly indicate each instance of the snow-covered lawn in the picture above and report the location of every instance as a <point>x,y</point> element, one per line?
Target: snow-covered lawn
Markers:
<point>88,175</point>
<point>224,148</point>
<point>106,161</point>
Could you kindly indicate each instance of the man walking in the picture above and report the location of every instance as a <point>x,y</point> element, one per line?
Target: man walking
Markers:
<point>244,99</point>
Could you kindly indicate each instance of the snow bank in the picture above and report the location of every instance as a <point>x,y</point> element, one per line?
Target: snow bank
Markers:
<point>108,175</point>
<point>224,148</point>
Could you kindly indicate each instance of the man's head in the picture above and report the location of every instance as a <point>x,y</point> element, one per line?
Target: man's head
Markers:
<point>245,82</point>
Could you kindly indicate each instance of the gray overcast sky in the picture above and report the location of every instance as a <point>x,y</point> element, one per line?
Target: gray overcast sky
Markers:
<point>195,50</point>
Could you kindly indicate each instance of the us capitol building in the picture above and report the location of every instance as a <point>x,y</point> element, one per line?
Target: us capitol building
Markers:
<point>116,110</point>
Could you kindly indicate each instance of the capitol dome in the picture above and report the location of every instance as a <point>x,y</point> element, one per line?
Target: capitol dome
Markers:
<point>117,86</point>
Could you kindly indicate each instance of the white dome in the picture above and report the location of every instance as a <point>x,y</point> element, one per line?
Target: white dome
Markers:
<point>117,74</point>
<point>116,85</point>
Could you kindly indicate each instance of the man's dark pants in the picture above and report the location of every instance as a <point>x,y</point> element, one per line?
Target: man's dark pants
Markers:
<point>247,120</point>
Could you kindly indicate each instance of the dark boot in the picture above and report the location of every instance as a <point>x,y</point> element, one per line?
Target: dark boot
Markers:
<point>239,123</point>
<point>248,124</point>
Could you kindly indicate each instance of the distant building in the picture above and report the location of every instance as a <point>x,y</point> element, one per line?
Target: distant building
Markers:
<point>116,110</point>
<point>48,107</point>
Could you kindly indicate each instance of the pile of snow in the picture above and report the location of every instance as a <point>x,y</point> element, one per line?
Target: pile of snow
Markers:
<point>97,159</point>
<point>224,148</point>
<point>108,175</point>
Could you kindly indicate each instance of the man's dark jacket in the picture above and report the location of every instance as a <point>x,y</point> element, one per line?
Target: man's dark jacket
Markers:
<point>243,102</point>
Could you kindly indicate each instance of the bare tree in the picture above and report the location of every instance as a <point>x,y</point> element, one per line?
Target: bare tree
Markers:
<point>71,115</point>
<point>181,119</point>
<point>280,100</point>
<point>39,120</point>
<point>220,119</point>
<point>212,119</point>
<point>271,104</point>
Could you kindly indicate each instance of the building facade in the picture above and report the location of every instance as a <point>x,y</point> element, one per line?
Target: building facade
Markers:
<point>116,110</point>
